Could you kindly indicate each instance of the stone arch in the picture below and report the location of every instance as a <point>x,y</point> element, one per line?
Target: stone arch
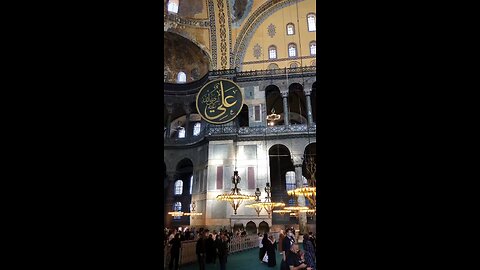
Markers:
<point>310,155</point>
<point>273,100</point>
<point>297,104</point>
<point>280,161</point>
<point>263,227</point>
<point>251,227</point>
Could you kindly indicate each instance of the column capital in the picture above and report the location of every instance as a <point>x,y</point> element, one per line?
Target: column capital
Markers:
<point>307,92</point>
<point>169,107</point>
<point>297,160</point>
<point>284,94</point>
<point>187,108</point>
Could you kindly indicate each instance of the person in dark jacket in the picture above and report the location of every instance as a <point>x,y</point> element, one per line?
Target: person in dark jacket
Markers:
<point>210,249</point>
<point>287,243</point>
<point>216,244</point>
<point>175,251</point>
<point>222,249</point>
<point>201,250</point>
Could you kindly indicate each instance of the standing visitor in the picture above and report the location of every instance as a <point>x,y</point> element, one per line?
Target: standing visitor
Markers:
<point>200,249</point>
<point>287,243</point>
<point>281,236</point>
<point>222,251</point>
<point>174,251</point>
<point>264,244</point>
<point>309,252</point>
<point>210,249</point>
<point>260,245</point>
<point>272,261</point>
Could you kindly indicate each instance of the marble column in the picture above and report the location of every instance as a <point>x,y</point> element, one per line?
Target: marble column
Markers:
<point>302,217</point>
<point>309,107</point>
<point>285,108</point>
<point>188,110</point>
<point>169,108</point>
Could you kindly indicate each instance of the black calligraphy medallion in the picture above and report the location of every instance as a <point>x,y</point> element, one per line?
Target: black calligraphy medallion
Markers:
<point>219,101</point>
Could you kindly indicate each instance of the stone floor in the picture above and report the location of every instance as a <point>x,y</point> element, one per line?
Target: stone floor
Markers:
<point>244,260</point>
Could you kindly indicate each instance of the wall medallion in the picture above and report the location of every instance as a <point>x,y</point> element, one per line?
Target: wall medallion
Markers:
<point>219,101</point>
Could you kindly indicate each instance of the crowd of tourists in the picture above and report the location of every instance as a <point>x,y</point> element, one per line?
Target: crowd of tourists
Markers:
<point>212,246</point>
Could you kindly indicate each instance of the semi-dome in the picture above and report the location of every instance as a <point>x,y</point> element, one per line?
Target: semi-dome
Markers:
<point>184,62</point>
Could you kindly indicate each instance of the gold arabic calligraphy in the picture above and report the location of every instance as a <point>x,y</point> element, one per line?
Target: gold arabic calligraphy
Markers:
<point>217,101</point>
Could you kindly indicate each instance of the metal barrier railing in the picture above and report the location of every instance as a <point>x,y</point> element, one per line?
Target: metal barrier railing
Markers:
<point>188,249</point>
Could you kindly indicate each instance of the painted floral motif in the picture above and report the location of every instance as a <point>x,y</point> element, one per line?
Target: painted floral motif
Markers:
<point>271,30</point>
<point>257,51</point>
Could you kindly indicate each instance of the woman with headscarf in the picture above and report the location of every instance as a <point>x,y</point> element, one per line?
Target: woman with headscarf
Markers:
<point>271,251</point>
<point>264,243</point>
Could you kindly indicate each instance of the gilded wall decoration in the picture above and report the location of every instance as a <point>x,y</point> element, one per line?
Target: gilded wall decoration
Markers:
<point>223,35</point>
<point>257,51</point>
<point>271,30</point>
<point>213,33</point>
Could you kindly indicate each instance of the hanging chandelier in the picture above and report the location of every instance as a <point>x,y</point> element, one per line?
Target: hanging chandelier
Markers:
<point>235,198</point>
<point>258,208</point>
<point>176,214</point>
<point>268,205</point>
<point>192,212</point>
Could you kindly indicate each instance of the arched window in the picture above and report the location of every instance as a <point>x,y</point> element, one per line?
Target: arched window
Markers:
<point>181,77</point>
<point>181,132</point>
<point>292,50</point>
<point>290,180</point>
<point>196,128</point>
<point>291,202</point>
<point>272,66</point>
<point>178,187</point>
<point>272,52</point>
<point>173,6</point>
<point>293,65</point>
<point>311,23</point>
<point>290,29</point>
<point>313,48</point>
<point>191,184</point>
<point>177,207</point>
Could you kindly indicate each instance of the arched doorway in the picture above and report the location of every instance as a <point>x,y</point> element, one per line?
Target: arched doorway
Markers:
<point>274,103</point>
<point>237,227</point>
<point>280,163</point>
<point>251,228</point>
<point>297,104</point>
<point>263,227</point>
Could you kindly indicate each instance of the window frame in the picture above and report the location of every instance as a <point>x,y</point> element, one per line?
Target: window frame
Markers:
<point>274,49</point>
<point>172,6</point>
<point>293,29</point>
<point>197,127</point>
<point>180,181</point>
<point>313,42</point>
<point>314,16</point>
<point>178,77</point>
<point>177,206</point>
<point>294,46</point>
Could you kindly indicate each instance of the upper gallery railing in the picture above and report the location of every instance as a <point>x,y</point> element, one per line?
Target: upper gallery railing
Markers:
<point>224,130</point>
<point>239,76</point>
